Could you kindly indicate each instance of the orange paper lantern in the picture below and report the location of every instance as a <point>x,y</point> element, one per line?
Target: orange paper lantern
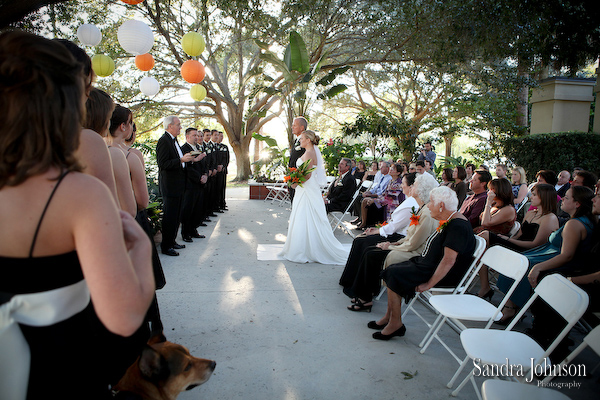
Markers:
<point>144,62</point>
<point>192,71</point>
<point>132,2</point>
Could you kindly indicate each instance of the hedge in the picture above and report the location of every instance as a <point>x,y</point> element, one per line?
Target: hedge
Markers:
<point>554,151</point>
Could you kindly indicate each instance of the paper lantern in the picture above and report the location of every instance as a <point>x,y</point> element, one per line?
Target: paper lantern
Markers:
<point>198,92</point>
<point>149,86</point>
<point>193,43</point>
<point>135,37</point>
<point>144,62</point>
<point>89,35</point>
<point>132,2</point>
<point>192,71</point>
<point>103,65</point>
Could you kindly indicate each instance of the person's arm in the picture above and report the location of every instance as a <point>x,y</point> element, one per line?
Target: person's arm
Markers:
<point>586,279</point>
<point>441,271</point>
<point>95,159</point>
<point>399,220</point>
<point>120,280</point>
<point>548,224</point>
<point>123,181</point>
<point>522,194</point>
<point>138,182</point>
<point>573,233</point>
<point>505,214</point>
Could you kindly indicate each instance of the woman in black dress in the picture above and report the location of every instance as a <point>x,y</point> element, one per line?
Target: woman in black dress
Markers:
<point>445,259</point>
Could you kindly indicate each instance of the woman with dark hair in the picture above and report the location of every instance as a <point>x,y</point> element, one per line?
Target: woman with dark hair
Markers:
<point>497,216</point>
<point>447,179</point>
<point>55,262</point>
<point>361,169</point>
<point>129,143</point>
<point>470,171</point>
<point>459,175</point>
<point>370,174</point>
<point>562,246</point>
<point>380,209</point>
<point>546,176</point>
<point>100,107</point>
<point>538,224</point>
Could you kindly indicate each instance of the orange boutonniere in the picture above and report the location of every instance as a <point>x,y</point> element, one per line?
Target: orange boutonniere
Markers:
<point>414,218</point>
<point>443,224</point>
<point>379,226</point>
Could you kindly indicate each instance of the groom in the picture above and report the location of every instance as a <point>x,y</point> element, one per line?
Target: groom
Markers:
<point>298,126</point>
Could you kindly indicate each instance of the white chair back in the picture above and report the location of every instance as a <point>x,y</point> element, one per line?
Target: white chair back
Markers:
<point>514,229</point>
<point>367,184</point>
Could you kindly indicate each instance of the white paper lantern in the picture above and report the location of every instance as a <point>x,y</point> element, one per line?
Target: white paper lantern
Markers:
<point>149,86</point>
<point>89,35</point>
<point>135,37</point>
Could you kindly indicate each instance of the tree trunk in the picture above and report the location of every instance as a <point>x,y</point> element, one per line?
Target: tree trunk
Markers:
<point>523,99</point>
<point>448,141</point>
<point>242,157</point>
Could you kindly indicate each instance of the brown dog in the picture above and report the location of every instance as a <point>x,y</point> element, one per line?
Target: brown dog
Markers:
<point>163,371</point>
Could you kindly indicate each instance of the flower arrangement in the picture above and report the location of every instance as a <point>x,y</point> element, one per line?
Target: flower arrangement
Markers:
<point>298,175</point>
<point>443,224</point>
<point>414,218</point>
<point>381,225</point>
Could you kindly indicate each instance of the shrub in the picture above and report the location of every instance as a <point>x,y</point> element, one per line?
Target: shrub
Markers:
<point>554,151</point>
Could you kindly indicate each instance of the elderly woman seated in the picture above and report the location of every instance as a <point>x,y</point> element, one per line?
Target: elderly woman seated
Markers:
<point>447,255</point>
<point>361,276</point>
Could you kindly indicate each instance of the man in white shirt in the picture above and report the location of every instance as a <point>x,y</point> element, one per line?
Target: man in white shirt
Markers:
<point>380,183</point>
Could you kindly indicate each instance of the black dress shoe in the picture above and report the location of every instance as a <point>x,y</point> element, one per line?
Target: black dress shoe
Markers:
<point>399,332</point>
<point>187,239</point>
<point>198,236</point>
<point>170,252</point>
<point>355,221</point>
<point>206,220</point>
<point>374,325</point>
<point>212,215</point>
<point>177,246</point>
<point>220,211</point>
<point>202,224</point>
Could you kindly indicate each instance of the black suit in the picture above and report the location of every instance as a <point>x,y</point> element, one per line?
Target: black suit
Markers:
<point>340,193</point>
<point>192,198</point>
<point>295,153</point>
<point>224,161</point>
<point>563,189</point>
<point>171,183</point>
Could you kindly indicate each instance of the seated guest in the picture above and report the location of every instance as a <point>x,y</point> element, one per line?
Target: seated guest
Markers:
<point>380,183</point>
<point>420,167</point>
<point>546,176</point>
<point>459,185</point>
<point>562,184</point>
<point>359,171</point>
<point>429,168</point>
<point>361,275</point>
<point>538,224</point>
<point>572,238</point>
<point>472,207</point>
<point>501,171</point>
<point>53,264</point>
<point>519,185</point>
<point>341,191</point>
<point>470,170</point>
<point>584,178</point>
<point>372,172</point>
<point>375,210</point>
<point>447,255</point>
<point>447,179</point>
<point>412,167</point>
<point>499,213</point>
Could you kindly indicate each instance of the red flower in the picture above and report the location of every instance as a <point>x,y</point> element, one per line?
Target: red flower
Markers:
<point>414,219</point>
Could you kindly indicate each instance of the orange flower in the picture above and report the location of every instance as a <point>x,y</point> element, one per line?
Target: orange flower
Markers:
<point>293,169</point>
<point>295,179</point>
<point>414,220</point>
<point>286,178</point>
<point>442,225</point>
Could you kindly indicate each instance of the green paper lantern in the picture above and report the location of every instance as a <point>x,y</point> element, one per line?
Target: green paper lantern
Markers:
<point>198,92</point>
<point>103,65</point>
<point>193,43</point>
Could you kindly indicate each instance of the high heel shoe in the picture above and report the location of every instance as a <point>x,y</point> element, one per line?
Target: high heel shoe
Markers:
<point>399,332</point>
<point>360,306</point>
<point>488,295</point>
<point>506,321</point>
<point>374,325</point>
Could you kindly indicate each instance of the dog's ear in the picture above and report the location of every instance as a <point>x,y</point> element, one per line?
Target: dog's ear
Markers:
<point>157,338</point>
<point>152,365</point>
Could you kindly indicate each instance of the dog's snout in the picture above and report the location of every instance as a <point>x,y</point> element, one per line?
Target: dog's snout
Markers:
<point>213,365</point>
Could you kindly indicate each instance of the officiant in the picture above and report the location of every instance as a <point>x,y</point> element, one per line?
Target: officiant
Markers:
<point>298,126</point>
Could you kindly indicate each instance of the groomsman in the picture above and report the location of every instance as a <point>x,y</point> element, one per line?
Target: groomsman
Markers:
<point>192,197</point>
<point>225,163</point>
<point>212,171</point>
<point>171,182</point>
<point>216,200</point>
<point>298,126</point>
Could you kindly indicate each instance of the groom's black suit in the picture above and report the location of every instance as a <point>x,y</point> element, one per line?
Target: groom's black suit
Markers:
<point>171,182</point>
<point>340,193</point>
<point>295,153</point>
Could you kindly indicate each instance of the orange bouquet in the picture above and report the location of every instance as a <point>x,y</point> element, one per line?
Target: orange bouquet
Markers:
<point>298,175</point>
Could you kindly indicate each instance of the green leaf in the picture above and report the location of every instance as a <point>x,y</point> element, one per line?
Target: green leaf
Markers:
<point>298,54</point>
<point>334,91</point>
<point>327,79</point>
<point>267,139</point>
<point>287,57</point>
<point>278,64</point>
<point>261,44</point>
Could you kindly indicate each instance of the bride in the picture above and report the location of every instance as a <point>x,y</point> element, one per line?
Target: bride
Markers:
<point>310,238</point>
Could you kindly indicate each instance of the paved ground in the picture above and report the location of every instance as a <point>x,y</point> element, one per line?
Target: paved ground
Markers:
<point>280,330</point>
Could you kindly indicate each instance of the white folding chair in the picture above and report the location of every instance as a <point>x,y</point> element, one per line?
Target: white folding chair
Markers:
<point>460,288</point>
<point>336,218</point>
<point>277,192</point>
<point>493,347</point>
<point>495,389</point>
<point>592,339</point>
<point>514,229</point>
<point>457,307</point>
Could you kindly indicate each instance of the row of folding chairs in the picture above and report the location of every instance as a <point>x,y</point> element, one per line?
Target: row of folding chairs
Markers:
<point>337,218</point>
<point>493,346</point>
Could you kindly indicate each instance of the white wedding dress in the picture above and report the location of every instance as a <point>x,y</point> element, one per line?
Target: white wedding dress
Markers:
<point>309,237</point>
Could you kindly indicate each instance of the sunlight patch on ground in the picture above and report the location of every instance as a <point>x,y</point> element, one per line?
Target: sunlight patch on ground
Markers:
<point>237,290</point>
<point>280,237</point>
<point>246,236</point>
<point>283,278</point>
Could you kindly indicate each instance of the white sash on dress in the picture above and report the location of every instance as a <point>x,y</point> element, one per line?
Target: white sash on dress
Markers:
<point>35,309</point>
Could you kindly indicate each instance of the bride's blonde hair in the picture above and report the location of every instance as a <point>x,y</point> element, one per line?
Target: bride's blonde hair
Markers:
<point>312,136</point>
